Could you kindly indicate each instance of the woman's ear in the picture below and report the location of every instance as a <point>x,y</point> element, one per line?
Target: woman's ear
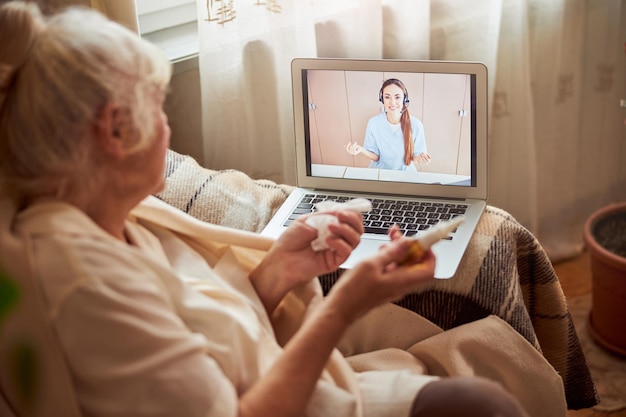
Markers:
<point>114,130</point>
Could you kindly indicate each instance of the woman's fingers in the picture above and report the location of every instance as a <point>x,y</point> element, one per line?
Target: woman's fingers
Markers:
<point>423,158</point>
<point>347,232</point>
<point>380,279</point>
<point>353,148</point>
<point>395,232</point>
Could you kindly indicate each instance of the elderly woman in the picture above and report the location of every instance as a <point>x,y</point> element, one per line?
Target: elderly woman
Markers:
<point>148,321</point>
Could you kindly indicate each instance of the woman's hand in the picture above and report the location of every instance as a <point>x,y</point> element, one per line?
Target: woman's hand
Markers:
<point>380,279</point>
<point>422,159</point>
<point>291,260</point>
<point>353,148</point>
<point>294,245</point>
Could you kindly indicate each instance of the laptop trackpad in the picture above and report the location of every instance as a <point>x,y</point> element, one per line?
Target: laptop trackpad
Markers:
<point>365,249</point>
<point>369,247</point>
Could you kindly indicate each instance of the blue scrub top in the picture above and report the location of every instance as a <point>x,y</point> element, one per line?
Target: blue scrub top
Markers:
<point>389,145</point>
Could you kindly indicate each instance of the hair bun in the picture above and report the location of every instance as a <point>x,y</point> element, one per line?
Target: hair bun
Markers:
<point>21,22</point>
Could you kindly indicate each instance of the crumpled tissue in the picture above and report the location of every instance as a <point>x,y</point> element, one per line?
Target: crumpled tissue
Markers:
<point>321,221</point>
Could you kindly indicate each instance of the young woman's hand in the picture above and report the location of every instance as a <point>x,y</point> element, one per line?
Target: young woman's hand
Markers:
<point>422,159</point>
<point>354,148</point>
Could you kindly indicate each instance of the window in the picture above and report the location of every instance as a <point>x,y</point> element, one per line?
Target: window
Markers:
<point>170,24</point>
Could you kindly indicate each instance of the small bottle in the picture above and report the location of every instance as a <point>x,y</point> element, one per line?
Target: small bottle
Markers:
<point>424,241</point>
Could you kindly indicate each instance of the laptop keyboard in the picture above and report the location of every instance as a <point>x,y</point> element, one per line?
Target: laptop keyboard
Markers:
<point>410,216</point>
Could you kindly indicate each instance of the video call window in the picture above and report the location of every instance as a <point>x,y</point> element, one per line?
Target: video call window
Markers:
<point>340,105</point>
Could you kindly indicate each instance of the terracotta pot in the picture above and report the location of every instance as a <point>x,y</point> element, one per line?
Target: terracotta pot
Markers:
<point>607,319</point>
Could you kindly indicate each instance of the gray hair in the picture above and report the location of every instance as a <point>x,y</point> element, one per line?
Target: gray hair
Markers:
<point>56,75</point>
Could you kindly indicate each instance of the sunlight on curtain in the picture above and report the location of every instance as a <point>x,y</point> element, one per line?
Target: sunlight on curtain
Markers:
<point>557,140</point>
<point>579,76</point>
<point>348,28</point>
<point>406,29</point>
<point>245,54</point>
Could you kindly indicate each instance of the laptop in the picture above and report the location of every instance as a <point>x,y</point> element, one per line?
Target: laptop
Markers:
<point>334,100</point>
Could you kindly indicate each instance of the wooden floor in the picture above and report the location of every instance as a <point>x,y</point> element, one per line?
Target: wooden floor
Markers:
<point>575,277</point>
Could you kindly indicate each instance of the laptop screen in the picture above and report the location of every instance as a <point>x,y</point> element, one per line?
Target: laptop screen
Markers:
<point>409,127</point>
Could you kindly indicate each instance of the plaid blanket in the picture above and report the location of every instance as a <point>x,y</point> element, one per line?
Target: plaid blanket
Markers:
<point>505,271</point>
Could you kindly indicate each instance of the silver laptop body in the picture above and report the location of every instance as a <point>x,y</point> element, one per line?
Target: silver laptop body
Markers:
<point>333,100</point>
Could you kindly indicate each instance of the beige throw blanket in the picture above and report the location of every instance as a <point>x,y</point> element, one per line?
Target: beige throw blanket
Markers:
<point>488,347</point>
<point>505,271</point>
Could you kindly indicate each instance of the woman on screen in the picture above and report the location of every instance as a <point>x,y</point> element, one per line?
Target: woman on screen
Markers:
<point>393,139</point>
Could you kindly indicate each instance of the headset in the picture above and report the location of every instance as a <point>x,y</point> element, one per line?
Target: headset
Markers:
<point>399,84</point>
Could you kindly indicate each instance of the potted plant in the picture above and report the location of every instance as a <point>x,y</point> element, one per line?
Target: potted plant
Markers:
<point>605,238</point>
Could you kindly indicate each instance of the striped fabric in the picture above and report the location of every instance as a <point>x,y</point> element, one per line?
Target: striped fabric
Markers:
<point>229,197</point>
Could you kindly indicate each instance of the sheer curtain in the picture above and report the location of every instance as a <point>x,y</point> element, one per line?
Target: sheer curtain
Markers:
<point>557,70</point>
